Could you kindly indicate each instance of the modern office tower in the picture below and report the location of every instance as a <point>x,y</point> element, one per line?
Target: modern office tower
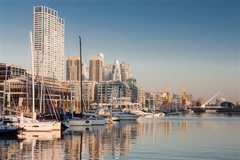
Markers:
<point>108,72</point>
<point>48,42</point>
<point>126,72</point>
<point>73,68</point>
<point>116,71</point>
<point>95,68</point>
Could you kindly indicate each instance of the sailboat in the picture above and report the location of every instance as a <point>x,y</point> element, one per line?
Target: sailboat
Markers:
<point>80,121</point>
<point>7,130</point>
<point>31,124</point>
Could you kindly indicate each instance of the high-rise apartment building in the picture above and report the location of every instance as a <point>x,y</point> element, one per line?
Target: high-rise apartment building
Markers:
<point>95,68</point>
<point>73,68</point>
<point>126,72</point>
<point>108,72</point>
<point>48,42</point>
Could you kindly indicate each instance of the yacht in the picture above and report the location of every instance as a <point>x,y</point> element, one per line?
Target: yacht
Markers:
<point>125,115</point>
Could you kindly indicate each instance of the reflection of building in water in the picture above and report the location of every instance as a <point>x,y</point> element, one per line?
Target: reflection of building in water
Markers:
<point>33,147</point>
<point>95,146</point>
<point>119,144</point>
<point>8,148</point>
<point>74,145</point>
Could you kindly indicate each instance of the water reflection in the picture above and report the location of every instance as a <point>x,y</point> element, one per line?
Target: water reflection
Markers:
<point>155,138</point>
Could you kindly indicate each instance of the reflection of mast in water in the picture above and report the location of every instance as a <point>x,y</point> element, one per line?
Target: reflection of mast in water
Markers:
<point>166,129</point>
<point>81,146</point>
<point>184,128</point>
<point>153,129</point>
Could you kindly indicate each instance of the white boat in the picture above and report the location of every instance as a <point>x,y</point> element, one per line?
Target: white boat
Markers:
<point>155,115</point>
<point>79,122</point>
<point>56,126</point>
<point>140,113</point>
<point>37,126</point>
<point>97,120</point>
<point>125,115</point>
<point>107,113</point>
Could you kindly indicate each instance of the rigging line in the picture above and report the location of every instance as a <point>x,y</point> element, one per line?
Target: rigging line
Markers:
<point>29,51</point>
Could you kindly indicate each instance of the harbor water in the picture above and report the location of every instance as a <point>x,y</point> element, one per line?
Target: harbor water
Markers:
<point>179,137</point>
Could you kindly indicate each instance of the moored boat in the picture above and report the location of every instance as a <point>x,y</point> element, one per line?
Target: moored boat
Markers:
<point>7,130</point>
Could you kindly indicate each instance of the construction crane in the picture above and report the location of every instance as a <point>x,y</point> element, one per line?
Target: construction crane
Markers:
<point>184,96</point>
<point>165,105</point>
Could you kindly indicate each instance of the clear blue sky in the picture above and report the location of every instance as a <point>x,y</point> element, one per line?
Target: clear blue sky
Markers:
<point>165,41</point>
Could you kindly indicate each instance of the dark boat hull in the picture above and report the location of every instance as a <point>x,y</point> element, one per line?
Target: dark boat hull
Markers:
<point>9,132</point>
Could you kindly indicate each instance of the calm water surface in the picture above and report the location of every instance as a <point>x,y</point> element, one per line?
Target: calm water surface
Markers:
<point>191,136</point>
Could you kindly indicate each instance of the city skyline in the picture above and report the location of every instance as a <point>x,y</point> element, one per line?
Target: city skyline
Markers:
<point>174,42</point>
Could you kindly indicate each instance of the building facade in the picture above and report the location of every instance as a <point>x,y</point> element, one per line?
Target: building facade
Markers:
<point>48,43</point>
<point>73,68</point>
<point>12,71</point>
<point>96,68</point>
<point>126,72</point>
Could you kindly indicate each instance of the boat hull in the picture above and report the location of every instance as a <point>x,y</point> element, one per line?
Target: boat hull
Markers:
<point>80,122</point>
<point>37,127</point>
<point>6,130</point>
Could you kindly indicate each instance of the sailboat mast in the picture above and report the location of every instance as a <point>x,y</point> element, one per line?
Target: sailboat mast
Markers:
<point>33,84</point>
<point>4,99</point>
<point>81,72</point>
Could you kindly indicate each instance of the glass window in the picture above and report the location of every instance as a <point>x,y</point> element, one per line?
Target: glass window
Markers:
<point>38,9</point>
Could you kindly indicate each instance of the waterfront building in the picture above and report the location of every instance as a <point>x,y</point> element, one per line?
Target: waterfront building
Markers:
<point>134,93</point>
<point>111,91</point>
<point>89,92</point>
<point>141,96</point>
<point>95,68</point>
<point>12,71</point>
<point>48,43</point>
<point>19,92</point>
<point>120,93</point>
